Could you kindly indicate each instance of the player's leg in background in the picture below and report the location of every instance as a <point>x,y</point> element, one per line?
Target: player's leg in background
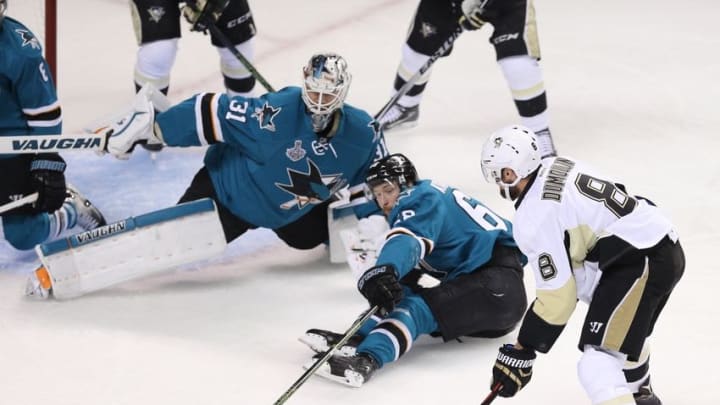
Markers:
<point>237,24</point>
<point>202,187</point>
<point>517,49</point>
<point>432,25</point>
<point>157,30</point>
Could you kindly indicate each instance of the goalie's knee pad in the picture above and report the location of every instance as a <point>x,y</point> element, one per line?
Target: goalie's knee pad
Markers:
<point>600,373</point>
<point>155,61</point>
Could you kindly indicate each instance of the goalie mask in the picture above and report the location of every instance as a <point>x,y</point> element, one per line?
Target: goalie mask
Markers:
<point>325,85</point>
<point>394,169</point>
<point>513,147</point>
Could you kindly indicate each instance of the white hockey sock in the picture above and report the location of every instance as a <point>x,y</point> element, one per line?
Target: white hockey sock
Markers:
<point>61,220</point>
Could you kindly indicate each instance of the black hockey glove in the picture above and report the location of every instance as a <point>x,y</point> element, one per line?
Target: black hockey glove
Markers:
<point>513,369</point>
<point>475,14</point>
<point>201,13</point>
<point>47,173</point>
<point>381,287</point>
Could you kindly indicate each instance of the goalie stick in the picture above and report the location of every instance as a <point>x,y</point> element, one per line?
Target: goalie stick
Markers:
<point>309,372</point>
<point>424,68</point>
<point>51,143</point>
<point>28,199</point>
<point>229,45</point>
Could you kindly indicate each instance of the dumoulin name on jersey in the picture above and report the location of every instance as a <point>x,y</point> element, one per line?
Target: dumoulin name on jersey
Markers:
<point>267,164</point>
<point>567,210</point>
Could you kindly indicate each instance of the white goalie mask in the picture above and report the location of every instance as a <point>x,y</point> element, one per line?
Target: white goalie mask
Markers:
<point>513,147</point>
<point>327,77</point>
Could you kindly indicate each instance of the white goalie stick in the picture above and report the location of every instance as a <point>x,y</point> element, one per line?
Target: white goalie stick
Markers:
<point>51,143</point>
<point>28,199</point>
<point>309,372</point>
<point>424,68</point>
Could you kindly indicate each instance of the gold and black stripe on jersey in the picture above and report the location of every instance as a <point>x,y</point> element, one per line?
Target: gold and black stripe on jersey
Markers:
<point>550,311</point>
<point>43,117</point>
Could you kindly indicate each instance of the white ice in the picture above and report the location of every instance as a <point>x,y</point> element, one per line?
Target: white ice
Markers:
<point>632,88</point>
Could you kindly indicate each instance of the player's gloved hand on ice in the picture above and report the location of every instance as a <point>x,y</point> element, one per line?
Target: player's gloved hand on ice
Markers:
<point>201,13</point>
<point>513,369</point>
<point>475,14</point>
<point>48,177</point>
<point>380,285</point>
<point>135,127</point>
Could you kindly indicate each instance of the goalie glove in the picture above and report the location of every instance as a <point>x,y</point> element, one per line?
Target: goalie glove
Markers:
<point>133,128</point>
<point>475,14</point>
<point>201,13</point>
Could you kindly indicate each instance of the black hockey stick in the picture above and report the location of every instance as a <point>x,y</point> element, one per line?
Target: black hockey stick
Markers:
<point>424,68</point>
<point>309,372</point>
<point>492,395</point>
<point>229,45</point>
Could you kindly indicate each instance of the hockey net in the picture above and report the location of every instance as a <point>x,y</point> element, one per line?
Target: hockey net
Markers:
<point>41,17</point>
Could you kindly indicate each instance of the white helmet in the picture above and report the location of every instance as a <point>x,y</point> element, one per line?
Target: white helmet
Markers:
<point>327,75</point>
<point>513,147</point>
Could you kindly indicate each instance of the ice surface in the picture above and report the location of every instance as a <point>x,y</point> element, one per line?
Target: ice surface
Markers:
<point>632,88</point>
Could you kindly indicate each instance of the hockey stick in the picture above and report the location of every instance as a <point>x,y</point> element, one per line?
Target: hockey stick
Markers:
<point>51,143</point>
<point>309,372</point>
<point>492,395</point>
<point>229,45</point>
<point>30,198</point>
<point>424,68</point>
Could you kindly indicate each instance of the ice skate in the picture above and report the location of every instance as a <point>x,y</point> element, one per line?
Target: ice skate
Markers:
<point>399,117</point>
<point>320,341</point>
<point>88,216</point>
<point>353,371</point>
<point>646,395</point>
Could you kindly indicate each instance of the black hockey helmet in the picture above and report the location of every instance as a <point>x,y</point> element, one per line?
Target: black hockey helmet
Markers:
<point>395,167</point>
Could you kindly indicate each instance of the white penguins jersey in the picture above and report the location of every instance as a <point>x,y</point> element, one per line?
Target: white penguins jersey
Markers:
<point>567,209</point>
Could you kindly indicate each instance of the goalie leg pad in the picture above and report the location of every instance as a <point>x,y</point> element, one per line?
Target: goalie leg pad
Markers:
<point>131,248</point>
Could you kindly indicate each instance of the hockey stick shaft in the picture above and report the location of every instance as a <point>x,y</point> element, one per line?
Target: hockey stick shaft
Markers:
<point>309,372</point>
<point>28,199</point>
<point>423,69</point>
<point>492,395</point>
<point>51,143</point>
<point>229,45</point>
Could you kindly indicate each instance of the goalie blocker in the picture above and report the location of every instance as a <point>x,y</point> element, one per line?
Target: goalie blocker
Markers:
<point>135,247</point>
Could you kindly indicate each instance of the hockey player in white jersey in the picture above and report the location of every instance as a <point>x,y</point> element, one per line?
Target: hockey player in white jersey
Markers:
<point>586,238</point>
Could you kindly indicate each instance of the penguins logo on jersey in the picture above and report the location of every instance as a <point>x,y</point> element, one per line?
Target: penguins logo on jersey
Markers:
<point>265,116</point>
<point>28,38</point>
<point>156,13</point>
<point>312,187</point>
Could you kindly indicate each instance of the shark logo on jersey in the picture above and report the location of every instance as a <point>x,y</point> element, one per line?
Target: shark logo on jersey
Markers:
<point>427,29</point>
<point>312,187</point>
<point>296,152</point>
<point>265,116</point>
<point>28,38</point>
<point>156,13</point>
